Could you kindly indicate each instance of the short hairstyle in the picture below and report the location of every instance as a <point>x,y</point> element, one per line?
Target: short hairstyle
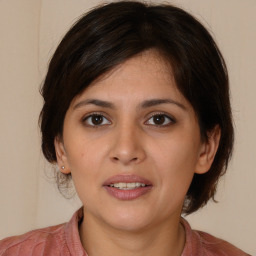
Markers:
<point>112,33</point>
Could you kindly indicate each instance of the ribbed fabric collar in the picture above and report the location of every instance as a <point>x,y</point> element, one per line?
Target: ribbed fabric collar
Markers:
<point>72,234</point>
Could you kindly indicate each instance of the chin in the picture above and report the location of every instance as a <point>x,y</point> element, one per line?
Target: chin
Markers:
<point>130,220</point>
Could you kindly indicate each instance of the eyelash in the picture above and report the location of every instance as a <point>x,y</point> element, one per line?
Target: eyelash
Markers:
<point>166,116</point>
<point>92,115</point>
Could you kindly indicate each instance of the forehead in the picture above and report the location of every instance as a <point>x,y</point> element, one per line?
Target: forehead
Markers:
<point>145,75</point>
<point>149,62</point>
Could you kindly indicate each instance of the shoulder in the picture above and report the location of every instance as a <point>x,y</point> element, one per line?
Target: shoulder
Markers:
<point>216,246</point>
<point>34,242</point>
<point>200,243</point>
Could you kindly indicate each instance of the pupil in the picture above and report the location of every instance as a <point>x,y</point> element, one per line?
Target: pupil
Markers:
<point>159,119</point>
<point>97,120</point>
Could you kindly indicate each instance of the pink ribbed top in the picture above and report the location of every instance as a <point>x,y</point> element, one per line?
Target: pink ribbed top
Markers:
<point>64,240</point>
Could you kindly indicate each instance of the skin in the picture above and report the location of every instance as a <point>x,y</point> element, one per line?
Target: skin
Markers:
<point>127,140</point>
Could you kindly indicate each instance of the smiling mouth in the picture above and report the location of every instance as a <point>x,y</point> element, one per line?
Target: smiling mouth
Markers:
<point>127,186</point>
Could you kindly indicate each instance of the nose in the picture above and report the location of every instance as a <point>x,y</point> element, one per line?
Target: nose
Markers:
<point>127,146</point>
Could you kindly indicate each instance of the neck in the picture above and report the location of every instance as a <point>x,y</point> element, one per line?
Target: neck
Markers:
<point>165,238</point>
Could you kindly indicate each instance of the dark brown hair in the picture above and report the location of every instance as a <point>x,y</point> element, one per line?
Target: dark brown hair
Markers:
<point>110,34</point>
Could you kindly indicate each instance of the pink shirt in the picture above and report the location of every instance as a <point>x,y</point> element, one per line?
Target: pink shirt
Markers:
<point>64,240</point>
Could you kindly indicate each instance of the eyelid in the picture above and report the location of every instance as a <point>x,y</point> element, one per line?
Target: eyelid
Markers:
<point>88,115</point>
<point>104,115</point>
<point>172,119</point>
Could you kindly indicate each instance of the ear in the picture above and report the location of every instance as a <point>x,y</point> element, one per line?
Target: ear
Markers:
<point>208,150</point>
<point>61,155</point>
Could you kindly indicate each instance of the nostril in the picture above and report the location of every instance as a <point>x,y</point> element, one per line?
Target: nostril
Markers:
<point>116,159</point>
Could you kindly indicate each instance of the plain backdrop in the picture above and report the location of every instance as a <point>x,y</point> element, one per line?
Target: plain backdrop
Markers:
<point>29,33</point>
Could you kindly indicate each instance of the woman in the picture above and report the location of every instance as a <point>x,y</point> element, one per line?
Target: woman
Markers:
<point>137,111</point>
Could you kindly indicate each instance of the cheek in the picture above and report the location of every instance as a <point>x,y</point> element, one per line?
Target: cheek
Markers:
<point>175,161</point>
<point>175,155</point>
<point>86,160</point>
<point>83,152</point>
<point>84,165</point>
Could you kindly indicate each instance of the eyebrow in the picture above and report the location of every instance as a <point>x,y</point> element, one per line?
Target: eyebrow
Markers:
<point>155,102</point>
<point>96,102</point>
<point>143,105</point>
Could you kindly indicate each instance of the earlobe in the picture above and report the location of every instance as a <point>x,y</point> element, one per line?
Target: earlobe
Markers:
<point>208,151</point>
<point>61,155</point>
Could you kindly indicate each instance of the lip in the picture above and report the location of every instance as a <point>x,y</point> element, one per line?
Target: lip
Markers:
<point>127,194</point>
<point>126,179</point>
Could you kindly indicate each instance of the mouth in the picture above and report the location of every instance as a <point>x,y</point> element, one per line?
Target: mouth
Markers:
<point>127,187</point>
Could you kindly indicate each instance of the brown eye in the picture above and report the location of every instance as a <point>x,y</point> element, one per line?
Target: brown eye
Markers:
<point>160,120</point>
<point>96,120</point>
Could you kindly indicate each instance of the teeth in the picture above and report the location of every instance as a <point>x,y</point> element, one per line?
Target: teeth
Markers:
<point>127,186</point>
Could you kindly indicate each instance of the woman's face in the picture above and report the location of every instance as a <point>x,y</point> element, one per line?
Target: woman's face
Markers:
<point>132,143</point>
